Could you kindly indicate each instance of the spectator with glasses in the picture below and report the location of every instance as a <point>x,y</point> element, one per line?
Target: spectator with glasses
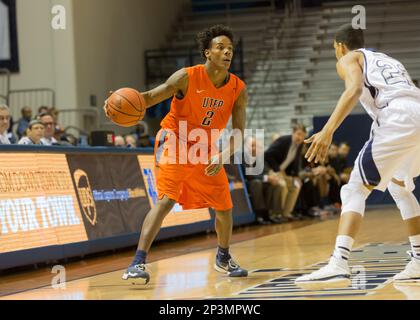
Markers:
<point>48,121</point>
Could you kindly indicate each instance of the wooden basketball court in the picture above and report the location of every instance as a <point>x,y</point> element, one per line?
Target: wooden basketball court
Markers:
<point>274,261</point>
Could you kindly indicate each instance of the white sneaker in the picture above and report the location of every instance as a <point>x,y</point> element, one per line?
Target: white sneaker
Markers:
<point>335,274</point>
<point>411,273</point>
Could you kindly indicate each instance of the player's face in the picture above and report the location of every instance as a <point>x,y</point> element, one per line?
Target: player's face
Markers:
<point>221,52</point>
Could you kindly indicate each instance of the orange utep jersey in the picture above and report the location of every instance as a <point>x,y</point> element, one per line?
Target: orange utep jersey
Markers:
<point>204,106</point>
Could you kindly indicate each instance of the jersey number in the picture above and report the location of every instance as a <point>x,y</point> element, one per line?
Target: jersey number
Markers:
<point>393,74</point>
<point>207,120</point>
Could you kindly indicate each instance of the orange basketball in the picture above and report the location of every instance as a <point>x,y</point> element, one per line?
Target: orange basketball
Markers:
<point>125,107</point>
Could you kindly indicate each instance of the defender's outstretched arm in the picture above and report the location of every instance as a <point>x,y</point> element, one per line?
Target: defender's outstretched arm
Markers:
<point>349,69</point>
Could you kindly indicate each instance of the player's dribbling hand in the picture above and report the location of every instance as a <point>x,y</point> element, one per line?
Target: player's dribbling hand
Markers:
<point>320,142</point>
<point>106,109</point>
<point>214,167</point>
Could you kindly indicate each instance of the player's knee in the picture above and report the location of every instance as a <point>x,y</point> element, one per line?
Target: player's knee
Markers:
<point>353,198</point>
<point>405,201</point>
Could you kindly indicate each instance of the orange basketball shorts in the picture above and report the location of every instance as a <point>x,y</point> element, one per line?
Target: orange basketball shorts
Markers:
<point>187,183</point>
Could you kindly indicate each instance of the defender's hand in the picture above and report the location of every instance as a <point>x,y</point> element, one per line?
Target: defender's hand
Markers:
<point>320,142</point>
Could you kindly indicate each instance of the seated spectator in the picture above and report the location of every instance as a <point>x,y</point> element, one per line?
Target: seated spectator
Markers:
<point>335,182</point>
<point>344,169</point>
<point>58,129</point>
<point>263,188</point>
<point>23,122</point>
<point>43,109</point>
<point>67,139</point>
<point>275,136</point>
<point>145,142</point>
<point>4,124</point>
<point>284,158</point>
<point>48,121</point>
<point>34,133</point>
<point>140,129</point>
<point>119,142</point>
<point>320,190</point>
<point>141,133</point>
<point>130,141</point>
<point>333,159</point>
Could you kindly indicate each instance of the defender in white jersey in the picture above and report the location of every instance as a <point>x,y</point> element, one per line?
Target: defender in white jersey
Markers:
<point>390,158</point>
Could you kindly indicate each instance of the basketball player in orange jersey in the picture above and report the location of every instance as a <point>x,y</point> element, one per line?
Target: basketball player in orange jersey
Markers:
<point>205,96</point>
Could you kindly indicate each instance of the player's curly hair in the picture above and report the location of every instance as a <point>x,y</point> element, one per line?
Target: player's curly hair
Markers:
<point>205,37</point>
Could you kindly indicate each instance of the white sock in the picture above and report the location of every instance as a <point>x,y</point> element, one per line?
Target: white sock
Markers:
<point>343,246</point>
<point>415,246</point>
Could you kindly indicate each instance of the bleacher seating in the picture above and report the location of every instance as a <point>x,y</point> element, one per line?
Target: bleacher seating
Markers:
<point>393,27</point>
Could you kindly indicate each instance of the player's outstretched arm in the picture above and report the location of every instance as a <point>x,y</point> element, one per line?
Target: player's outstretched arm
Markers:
<point>349,69</point>
<point>238,124</point>
<point>178,82</point>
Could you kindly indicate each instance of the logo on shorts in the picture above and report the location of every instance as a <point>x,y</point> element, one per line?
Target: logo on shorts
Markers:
<point>84,192</point>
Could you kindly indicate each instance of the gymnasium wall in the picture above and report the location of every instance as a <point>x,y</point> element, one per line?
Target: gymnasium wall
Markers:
<point>102,47</point>
<point>46,56</point>
<point>110,40</point>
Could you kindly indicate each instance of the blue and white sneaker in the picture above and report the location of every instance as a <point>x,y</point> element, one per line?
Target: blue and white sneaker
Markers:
<point>411,273</point>
<point>335,274</point>
<point>137,274</point>
<point>231,268</point>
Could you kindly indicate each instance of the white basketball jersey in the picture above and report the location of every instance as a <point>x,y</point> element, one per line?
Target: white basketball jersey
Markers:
<point>385,79</point>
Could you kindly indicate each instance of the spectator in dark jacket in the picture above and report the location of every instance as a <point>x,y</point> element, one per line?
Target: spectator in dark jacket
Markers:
<point>264,189</point>
<point>284,158</point>
<point>343,169</point>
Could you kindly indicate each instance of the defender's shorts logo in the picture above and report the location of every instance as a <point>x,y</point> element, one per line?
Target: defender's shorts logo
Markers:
<point>84,192</point>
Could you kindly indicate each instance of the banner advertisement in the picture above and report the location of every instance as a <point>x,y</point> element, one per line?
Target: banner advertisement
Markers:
<point>38,205</point>
<point>48,200</point>
<point>111,193</point>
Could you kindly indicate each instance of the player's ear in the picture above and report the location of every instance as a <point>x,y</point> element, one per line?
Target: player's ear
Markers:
<point>207,53</point>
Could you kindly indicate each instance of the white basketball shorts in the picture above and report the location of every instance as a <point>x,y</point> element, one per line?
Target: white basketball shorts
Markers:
<point>393,150</point>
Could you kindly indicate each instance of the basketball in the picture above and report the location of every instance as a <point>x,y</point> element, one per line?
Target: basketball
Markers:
<point>125,107</point>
